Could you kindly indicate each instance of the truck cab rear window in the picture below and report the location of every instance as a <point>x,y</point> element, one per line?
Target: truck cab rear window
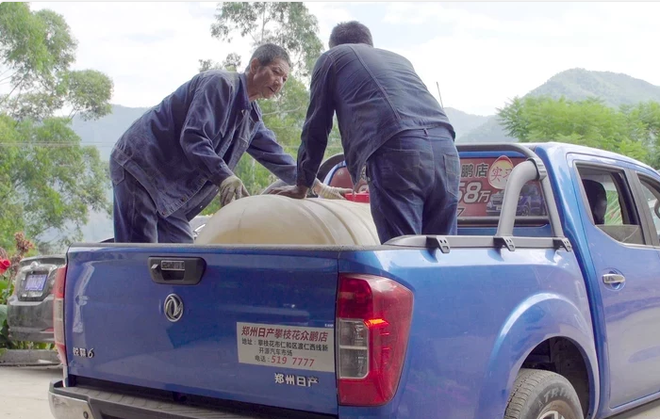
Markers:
<point>481,190</point>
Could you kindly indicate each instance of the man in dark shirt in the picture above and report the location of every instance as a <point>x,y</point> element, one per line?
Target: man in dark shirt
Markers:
<point>390,123</point>
<point>172,161</point>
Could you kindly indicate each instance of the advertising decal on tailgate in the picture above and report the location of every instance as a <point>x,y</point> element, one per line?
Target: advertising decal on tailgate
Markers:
<point>303,348</point>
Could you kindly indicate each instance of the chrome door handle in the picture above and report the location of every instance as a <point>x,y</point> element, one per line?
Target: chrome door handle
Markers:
<point>614,279</point>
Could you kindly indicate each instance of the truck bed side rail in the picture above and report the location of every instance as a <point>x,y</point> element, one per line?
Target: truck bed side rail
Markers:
<point>532,169</point>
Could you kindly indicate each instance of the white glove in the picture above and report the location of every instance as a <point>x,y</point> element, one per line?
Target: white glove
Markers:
<point>329,192</point>
<point>232,188</point>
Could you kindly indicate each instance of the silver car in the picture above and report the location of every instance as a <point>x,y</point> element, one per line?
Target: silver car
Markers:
<point>30,307</point>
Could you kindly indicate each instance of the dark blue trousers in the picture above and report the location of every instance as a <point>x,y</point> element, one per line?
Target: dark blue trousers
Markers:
<point>413,184</point>
<point>136,219</point>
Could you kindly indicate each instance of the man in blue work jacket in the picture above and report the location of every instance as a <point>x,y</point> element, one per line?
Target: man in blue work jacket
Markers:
<point>390,124</point>
<point>173,160</point>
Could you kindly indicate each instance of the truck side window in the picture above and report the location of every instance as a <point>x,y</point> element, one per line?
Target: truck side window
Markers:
<point>610,201</point>
<point>652,195</point>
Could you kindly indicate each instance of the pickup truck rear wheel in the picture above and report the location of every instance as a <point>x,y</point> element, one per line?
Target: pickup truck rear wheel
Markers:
<point>539,394</point>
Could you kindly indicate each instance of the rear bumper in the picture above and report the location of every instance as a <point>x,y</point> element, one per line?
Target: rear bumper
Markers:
<point>28,334</point>
<point>68,407</point>
<point>30,321</point>
<point>92,403</point>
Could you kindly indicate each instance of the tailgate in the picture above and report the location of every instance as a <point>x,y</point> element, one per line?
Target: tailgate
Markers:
<point>248,325</point>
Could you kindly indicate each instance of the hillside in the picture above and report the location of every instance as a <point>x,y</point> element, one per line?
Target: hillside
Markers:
<point>614,89</point>
<point>104,132</point>
<point>464,122</point>
<point>489,132</point>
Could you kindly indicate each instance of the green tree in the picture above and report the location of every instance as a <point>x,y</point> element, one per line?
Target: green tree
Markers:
<point>644,125</point>
<point>630,130</point>
<point>48,181</point>
<point>35,47</point>
<point>287,24</point>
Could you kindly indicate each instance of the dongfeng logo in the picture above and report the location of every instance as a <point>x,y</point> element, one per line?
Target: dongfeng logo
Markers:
<point>173,307</point>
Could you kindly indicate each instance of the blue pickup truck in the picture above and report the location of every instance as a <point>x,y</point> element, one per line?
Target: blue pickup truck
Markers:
<point>515,317</point>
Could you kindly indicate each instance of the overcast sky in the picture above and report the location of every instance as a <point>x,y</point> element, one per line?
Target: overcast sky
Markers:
<point>482,54</point>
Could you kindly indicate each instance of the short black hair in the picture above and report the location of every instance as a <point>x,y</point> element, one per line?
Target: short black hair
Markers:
<point>268,52</point>
<point>352,32</point>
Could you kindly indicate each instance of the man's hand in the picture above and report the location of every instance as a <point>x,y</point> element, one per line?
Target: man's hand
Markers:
<point>329,192</point>
<point>296,192</point>
<point>319,188</point>
<point>230,189</point>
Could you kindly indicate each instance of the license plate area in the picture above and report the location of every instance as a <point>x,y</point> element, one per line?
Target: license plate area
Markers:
<point>34,285</point>
<point>36,281</point>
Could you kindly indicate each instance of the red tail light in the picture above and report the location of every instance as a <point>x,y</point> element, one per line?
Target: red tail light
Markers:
<point>373,324</point>
<point>58,313</point>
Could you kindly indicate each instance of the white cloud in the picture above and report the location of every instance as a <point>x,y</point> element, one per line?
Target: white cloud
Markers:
<point>148,49</point>
<point>328,15</point>
<point>481,53</point>
<point>483,61</point>
<point>418,13</point>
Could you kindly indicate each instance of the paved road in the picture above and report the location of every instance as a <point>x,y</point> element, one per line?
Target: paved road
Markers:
<point>26,395</point>
<point>24,392</point>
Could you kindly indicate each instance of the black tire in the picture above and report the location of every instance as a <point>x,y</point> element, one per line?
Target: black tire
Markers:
<point>537,394</point>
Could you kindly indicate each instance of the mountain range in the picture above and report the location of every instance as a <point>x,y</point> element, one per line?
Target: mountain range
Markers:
<point>614,89</point>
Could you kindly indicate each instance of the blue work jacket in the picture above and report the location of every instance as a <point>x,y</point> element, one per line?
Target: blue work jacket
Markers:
<point>376,95</point>
<point>182,149</point>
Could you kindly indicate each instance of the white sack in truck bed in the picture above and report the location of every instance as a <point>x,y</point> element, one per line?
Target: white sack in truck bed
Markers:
<point>272,219</point>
